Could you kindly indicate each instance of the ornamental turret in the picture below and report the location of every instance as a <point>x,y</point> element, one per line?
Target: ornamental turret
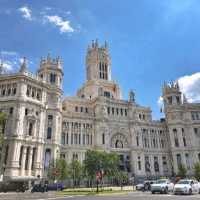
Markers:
<point>98,62</point>
<point>51,71</point>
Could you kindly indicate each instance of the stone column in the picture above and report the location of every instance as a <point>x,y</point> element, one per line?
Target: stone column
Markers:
<point>39,161</point>
<point>133,162</point>
<point>175,164</point>
<point>30,160</point>
<point>81,142</point>
<point>151,160</point>
<point>70,133</point>
<point>23,162</point>
<point>160,165</point>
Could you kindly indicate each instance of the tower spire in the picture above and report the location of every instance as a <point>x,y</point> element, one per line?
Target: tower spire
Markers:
<point>23,67</point>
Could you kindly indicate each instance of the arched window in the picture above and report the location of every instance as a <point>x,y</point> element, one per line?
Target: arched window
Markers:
<point>103,138</point>
<point>184,137</point>
<point>137,140</point>
<point>119,144</point>
<point>30,129</point>
<point>47,158</point>
<point>20,156</point>
<point>176,142</point>
<point>63,139</point>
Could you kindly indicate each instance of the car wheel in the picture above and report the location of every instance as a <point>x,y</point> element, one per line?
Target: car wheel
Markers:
<point>190,191</point>
<point>152,192</point>
<point>166,190</point>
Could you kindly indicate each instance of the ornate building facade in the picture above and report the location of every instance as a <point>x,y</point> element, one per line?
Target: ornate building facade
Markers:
<point>42,126</point>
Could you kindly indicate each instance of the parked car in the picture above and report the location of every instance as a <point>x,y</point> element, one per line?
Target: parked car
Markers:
<point>162,186</point>
<point>40,186</point>
<point>187,186</point>
<point>11,186</point>
<point>145,186</point>
<point>56,186</point>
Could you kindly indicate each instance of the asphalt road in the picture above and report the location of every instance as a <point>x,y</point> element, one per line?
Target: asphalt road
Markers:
<point>130,196</point>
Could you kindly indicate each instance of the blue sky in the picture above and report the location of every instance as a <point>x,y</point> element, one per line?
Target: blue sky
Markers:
<point>150,41</point>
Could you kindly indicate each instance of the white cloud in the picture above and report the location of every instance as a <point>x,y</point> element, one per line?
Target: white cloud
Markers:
<point>64,25</point>
<point>8,53</point>
<point>7,65</point>
<point>26,12</point>
<point>160,101</point>
<point>190,86</point>
<point>48,8</point>
<point>11,61</point>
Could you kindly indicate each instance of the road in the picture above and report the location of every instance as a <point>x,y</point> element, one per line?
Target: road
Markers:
<point>130,196</point>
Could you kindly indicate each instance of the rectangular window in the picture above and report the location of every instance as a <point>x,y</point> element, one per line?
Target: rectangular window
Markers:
<point>113,111</point>
<point>33,158</point>
<point>103,138</point>
<point>20,156</point>
<point>164,161</point>
<point>125,112</point>
<point>30,129</point>
<point>139,163</point>
<point>187,158</point>
<point>50,120</point>
<point>170,100</point>
<point>63,139</point>
<point>196,130</point>
<point>178,157</point>
<point>107,94</point>
<point>27,156</point>
<point>137,140</point>
<point>11,111</point>
<point>108,110</point>
<point>49,132</point>
<point>52,78</point>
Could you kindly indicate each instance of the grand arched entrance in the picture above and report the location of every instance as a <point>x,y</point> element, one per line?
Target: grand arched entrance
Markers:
<point>120,145</point>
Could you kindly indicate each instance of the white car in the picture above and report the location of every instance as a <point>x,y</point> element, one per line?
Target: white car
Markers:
<point>162,186</point>
<point>187,186</point>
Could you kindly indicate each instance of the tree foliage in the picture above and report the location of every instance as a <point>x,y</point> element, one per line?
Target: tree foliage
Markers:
<point>182,171</point>
<point>58,170</point>
<point>76,171</point>
<point>100,161</point>
<point>122,177</point>
<point>197,170</point>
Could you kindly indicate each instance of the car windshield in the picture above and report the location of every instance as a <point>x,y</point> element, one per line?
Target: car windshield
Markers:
<point>160,181</point>
<point>184,182</point>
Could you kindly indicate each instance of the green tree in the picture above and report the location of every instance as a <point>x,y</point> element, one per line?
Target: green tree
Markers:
<point>76,172</point>
<point>58,170</point>
<point>100,161</point>
<point>122,177</point>
<point>182,171</point>
<point>197,171</point>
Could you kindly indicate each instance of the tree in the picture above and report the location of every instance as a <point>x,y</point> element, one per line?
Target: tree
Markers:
<point>58,170</point>
<point>197,171</point>
<point>122,177</point>
<point>100,161</point>
<point>76,171</point>
<point>182,171</point>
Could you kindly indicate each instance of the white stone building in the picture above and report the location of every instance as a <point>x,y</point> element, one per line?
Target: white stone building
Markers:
<point>41,127</point>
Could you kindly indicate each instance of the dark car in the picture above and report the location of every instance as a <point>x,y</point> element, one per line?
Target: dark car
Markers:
<point>56,186</point>
<point>39,188</point>
<point>13,186</point>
